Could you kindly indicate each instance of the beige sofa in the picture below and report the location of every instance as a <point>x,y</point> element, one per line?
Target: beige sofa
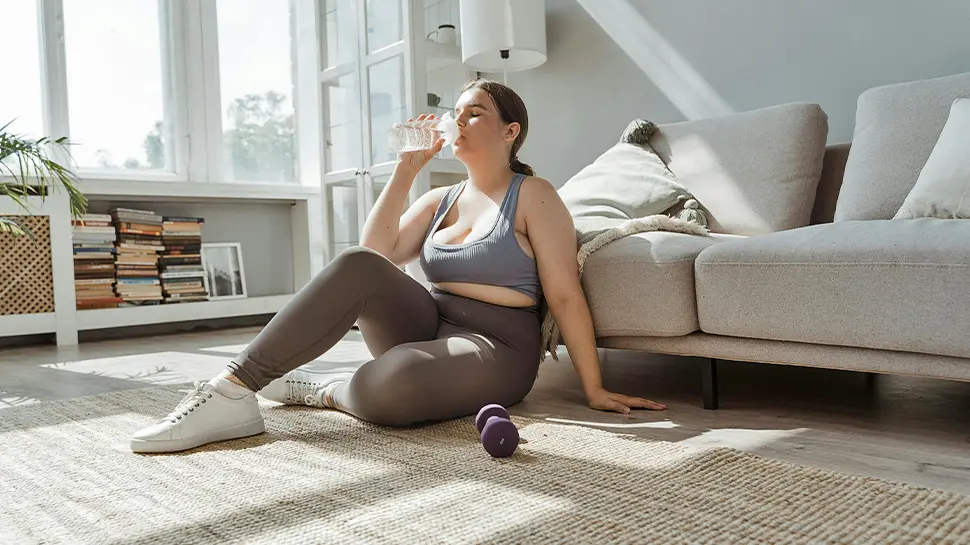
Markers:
<point>805,266</point>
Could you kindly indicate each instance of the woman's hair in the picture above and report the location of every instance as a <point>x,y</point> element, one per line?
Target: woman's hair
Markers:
<point>512,110</point>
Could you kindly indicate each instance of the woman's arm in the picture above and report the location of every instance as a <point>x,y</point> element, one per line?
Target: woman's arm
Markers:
<point>382,227</point>
<point>398,237</point>
<point>552,235</point>
<point>386,231</point>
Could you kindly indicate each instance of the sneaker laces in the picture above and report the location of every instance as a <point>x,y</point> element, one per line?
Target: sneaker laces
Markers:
<point>309,392</point>
<point>196,397</point>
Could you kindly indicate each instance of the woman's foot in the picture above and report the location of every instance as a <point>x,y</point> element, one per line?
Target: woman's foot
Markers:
<point>212,411</point>
<point>299,387</point>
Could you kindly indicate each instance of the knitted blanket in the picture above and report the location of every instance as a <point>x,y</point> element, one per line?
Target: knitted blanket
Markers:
<point>592,236</point>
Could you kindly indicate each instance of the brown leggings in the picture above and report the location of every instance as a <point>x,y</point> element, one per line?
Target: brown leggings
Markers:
<point>438,356</point>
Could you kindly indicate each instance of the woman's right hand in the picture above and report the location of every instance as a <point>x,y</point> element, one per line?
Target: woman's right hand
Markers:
<point>415,160</point>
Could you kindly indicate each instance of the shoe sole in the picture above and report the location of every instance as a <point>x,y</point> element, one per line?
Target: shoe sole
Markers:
<point>239,431</point>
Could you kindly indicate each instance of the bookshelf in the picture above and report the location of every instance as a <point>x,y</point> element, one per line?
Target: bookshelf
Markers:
<point>159,314</point>
<point>28,324</point>
<point>281,233</point>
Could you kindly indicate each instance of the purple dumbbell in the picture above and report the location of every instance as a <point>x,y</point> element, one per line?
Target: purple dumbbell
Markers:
<point>489,410</point>
<point>499,436</point>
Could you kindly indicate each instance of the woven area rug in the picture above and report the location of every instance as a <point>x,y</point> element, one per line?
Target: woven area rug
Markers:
<point>317,476</point>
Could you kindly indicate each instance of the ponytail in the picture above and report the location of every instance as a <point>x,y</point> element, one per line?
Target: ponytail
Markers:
<point>521,168</point>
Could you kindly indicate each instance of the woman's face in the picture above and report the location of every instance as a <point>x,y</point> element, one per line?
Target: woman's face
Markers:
<point>481,130</point>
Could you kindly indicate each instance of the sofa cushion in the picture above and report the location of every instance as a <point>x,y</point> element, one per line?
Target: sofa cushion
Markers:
<point>886,284</point>
<point>626,181</point>
<point>827,194</point>
<point>755,172</point>
<point>643,284</point>
<point>896,128</point>
<point>943,186</point>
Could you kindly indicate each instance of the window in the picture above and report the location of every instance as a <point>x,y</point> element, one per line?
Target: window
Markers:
<point>165,90</point>
<point>117,73</point>
<point>256,90</point>
<point>20,93</point>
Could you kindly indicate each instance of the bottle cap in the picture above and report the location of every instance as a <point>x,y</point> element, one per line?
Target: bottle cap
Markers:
<point>448,128</point>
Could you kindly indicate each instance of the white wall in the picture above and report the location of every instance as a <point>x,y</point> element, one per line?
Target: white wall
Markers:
<point>753,53</point>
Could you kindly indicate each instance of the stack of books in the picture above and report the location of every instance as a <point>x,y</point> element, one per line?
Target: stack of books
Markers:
<point>94,262</point>
<point>139,239</point>
<point>180,265</point>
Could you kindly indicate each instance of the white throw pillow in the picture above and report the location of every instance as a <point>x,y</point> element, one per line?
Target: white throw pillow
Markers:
<point>943,187</point>
<point>627,181</point>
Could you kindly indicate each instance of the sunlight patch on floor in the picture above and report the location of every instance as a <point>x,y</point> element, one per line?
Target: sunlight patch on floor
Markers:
<point>158,368</point>
<point>741,439</point>
<point>226,349</point>
<point>444,510</point>
<point>665,425</point>
<point>345,351</point>
<point>585,444</point>
<point>8,401</point>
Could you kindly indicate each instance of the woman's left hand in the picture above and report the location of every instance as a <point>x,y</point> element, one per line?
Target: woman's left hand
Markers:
<point>604,400</point>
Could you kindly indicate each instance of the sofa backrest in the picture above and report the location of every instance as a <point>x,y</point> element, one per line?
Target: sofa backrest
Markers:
<point>754,172</point>
<point>830,182</point>
<point>896,128</point>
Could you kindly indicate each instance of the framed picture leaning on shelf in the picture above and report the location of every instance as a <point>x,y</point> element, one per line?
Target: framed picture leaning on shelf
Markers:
<point>225,277</point>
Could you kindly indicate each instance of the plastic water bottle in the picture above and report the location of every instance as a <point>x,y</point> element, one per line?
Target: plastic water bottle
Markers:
<point>419,135</point>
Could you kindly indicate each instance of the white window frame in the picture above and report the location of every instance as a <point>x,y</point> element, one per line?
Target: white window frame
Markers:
<point>192,97</point>
<point>55,90</point>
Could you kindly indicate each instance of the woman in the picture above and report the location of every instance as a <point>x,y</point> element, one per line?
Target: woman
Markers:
<point>492,246</point>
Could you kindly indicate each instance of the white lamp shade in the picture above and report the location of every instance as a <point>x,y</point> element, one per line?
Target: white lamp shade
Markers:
<point>490,26</point>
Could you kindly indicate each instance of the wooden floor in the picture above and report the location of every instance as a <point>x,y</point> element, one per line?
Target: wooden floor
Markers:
<point>904,429</point>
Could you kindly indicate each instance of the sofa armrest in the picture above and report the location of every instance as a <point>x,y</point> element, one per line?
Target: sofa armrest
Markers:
<point>830,182</point>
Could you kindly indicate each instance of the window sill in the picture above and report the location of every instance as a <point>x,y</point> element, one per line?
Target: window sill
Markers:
<point>92,174</point>
<point>159,190</point>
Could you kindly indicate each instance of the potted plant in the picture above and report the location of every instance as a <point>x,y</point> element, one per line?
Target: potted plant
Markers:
<point>27,170</point>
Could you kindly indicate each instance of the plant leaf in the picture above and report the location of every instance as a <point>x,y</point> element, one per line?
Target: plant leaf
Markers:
<point>36,173</point>
<point>14,228</point>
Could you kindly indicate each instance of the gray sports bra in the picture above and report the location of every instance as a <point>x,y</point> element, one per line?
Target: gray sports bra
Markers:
<point>495,259</point>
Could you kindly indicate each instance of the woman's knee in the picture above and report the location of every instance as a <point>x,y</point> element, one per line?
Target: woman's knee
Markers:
<point>386,392</point>
<point>358,263</point>
<point>356,255</point>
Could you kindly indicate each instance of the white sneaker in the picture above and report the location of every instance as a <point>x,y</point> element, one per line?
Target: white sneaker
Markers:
<point>203,416</point>
<point>299,387</point>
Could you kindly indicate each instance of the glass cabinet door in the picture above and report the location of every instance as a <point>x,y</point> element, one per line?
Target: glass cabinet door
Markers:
<point>386,81</point>
<point>385,75</point>
<point>342,126</point>
<point>344,220</point>
<point>365,88</point>
<point>340,103</point>
<point>340,91</point>
<point>386,96</point>
<point>385,23</point>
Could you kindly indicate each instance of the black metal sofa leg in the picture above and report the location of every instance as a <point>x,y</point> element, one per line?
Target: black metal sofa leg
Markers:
<point>709,378</point>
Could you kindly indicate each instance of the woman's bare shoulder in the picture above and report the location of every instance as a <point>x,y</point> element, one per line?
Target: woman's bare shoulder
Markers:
<point>541,204</point>
<point>538,191</point>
